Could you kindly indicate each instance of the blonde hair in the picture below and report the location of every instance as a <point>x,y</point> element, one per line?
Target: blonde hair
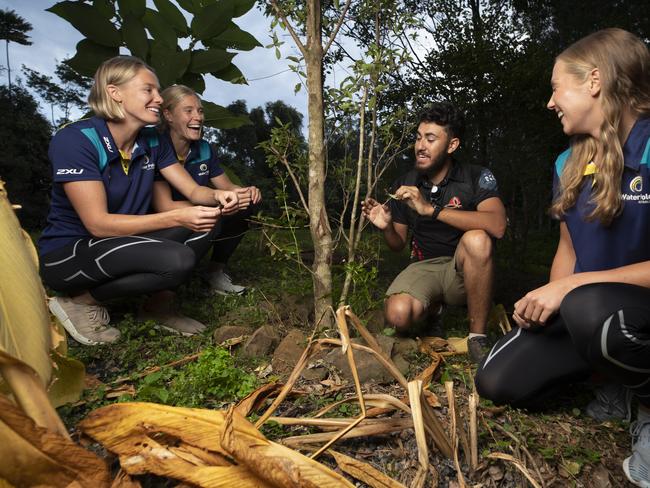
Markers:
<point>623,61</point>
<point>172,96</point>
<point>114,71</point>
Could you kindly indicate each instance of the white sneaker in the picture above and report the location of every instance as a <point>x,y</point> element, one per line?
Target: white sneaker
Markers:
<point>637,466</point>
<point>170,319</point>
<point>87,324</point>
<point>222,284</point>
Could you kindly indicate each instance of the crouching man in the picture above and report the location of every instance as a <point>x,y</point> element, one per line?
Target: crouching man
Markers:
<point>453,213</point>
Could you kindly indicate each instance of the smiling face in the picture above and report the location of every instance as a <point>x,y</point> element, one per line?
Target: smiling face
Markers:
<point>433,145</point>
<point>185,119</point>
<point>139,98</point>
<point>576,102</point>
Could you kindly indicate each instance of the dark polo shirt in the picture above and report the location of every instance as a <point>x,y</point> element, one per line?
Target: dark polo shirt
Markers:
<point>627,239</point>
<point>464,188</point>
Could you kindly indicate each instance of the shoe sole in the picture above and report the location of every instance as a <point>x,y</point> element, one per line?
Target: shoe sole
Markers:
<point>159,326</point>
<point>227,293</point>
<point>67,324</point>
<point>176,331</point>
<point>626,470</point>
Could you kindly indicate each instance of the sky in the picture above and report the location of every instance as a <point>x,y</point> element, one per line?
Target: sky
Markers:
<point>269,79</point>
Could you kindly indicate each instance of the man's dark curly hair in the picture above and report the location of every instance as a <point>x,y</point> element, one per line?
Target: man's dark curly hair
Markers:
<point>446,115</point>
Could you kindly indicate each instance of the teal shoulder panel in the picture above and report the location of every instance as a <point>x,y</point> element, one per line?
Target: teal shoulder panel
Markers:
<point>151,136</point>
<point>561,161</point>
<point>645,159</point>
<point>93,136</point>
<point>204,153</point>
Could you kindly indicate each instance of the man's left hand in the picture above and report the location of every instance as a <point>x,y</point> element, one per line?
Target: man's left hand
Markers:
<point>413,198</point>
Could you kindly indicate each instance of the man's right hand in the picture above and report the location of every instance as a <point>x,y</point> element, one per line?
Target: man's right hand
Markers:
<point>379,215</point>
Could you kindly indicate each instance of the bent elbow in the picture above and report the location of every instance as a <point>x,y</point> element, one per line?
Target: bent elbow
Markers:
<point>500,229</point>
<point>99,231</point>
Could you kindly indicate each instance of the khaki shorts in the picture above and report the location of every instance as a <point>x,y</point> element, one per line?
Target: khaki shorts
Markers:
<point>430,281</point>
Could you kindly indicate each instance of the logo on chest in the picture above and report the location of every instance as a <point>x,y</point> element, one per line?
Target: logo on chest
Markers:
<point>203,169</point>
<point>636,187</point>
<point>147,165</point>
<point>454,202</point>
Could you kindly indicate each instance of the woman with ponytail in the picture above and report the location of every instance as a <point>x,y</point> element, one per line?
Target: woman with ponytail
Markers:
<point>593,317</point>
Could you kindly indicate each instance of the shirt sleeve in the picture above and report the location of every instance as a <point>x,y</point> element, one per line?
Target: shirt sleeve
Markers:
<point>73,157</point>
<point>485,187</point>
<point>165,154</point>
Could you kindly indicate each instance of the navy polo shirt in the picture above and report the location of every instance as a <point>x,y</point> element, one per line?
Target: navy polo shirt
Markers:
<point>627,239</point>
<point>201,163</point>
<point>464,188</point>
<point>85,151</point>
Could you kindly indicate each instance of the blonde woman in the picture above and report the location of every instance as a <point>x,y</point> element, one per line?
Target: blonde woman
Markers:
<point>182,126</point>
<point>100,243</point>
<point>594,314</point>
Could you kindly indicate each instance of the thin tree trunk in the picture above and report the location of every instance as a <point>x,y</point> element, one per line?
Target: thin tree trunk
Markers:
<point>8,69</point>
<point>321,233</point>
<point>352,241</point>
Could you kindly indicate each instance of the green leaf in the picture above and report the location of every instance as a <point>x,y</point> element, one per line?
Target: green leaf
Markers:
<point>296,89</point>
<point>105,7</point>
<point>234,38</point>
<point>172,15</point>
<point>194,81</point>
<point>133,8</point>
<point>89,56</point>
<point>240,7</point>
<point>212,20</point>
<point>232,74</point>
<point>159,29</point>
<point>221,118</point>
<point>135,36</point>
<point>210,60</point>
<point>170,65</point>
<point>89,21</point>
<point>191,6</point>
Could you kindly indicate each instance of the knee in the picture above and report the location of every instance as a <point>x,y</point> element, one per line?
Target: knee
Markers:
<point>492,386</point>
<point>398,311</point>
<point>180,262</point>
<point>477,244</point>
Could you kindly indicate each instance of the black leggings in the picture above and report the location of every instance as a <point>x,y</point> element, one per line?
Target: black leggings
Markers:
<point>602,327</point>
<point>233,229</point>
<point>115,267</point>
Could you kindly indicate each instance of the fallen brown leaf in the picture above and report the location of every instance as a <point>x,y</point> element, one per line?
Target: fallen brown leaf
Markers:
<point>364,472</point>
<point>32,455</point>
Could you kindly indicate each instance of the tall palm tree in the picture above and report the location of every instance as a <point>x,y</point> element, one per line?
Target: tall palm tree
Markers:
<point>13,28</point>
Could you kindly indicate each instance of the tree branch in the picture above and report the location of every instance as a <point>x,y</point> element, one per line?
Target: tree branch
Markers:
<point>338,26</point>
<point>285,21</point>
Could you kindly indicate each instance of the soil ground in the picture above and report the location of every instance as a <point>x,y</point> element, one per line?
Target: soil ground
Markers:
<point>559,444</point>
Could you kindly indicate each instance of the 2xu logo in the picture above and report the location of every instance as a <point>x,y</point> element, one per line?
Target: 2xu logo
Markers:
<point>67,171</point>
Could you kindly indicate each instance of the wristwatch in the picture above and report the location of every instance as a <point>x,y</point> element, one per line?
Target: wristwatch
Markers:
<point>436,211</point>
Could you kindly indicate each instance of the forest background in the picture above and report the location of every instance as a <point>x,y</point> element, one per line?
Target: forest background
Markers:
<point>491,58</point>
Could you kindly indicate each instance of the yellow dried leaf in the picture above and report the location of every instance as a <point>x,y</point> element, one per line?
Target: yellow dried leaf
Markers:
<point>32,455</point>
<point>143,435</point>
<point>458,344</point>
<point>282,466</point>
<point>24,319</point>
<point>364,472</point>
<point>68,383</point>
